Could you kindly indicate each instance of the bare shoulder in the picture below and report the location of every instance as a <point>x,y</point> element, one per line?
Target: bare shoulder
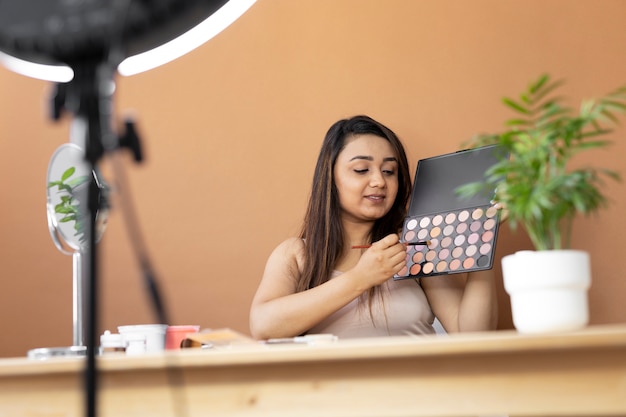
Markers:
<point>292,244</point>
<point>283,268</point>
<point>290,251</point>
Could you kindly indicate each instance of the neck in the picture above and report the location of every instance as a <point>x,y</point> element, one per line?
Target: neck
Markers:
<point>357,233</point>
<point>354,233</point>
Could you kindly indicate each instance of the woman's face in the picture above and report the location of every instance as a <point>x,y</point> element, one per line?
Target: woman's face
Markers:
<point>366,177</point>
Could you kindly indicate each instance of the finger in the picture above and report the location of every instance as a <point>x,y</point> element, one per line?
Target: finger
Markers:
<point>398,267</point>
<point>502,210</point>
<point>399,256</point>
<point>390,240</point>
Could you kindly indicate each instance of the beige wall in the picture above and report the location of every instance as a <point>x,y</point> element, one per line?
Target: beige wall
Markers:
<point>231,132</point>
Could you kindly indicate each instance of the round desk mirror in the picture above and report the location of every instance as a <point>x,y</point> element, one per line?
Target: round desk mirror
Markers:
<point>68,180</point>
<point>67,184</point>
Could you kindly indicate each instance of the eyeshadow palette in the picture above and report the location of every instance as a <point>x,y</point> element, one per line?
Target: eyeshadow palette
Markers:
<point>458,234</point>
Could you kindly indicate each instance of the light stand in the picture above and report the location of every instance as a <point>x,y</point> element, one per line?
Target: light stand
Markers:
<point>88,97</point>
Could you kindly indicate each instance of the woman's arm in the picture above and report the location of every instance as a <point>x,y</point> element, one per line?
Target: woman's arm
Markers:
<point>279,311</point>
<point>463,302</point>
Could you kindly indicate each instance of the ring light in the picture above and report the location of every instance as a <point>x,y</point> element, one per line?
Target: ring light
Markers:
<point>43,38</point>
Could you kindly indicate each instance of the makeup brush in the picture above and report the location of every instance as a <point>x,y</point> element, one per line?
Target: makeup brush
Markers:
<point>425,243</point>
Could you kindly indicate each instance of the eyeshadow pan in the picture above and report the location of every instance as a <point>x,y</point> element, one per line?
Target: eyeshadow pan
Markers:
<point>477,213</point>
<point>455,264</point>
<point>411,224</point>
<point>485,248</point>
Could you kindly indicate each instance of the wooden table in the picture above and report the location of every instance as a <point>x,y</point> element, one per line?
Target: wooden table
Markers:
<point>480,374</point>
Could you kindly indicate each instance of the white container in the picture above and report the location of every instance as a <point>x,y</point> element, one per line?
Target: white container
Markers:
<point>154,335</point>
<point>548,289</point>
<point>111,343</point>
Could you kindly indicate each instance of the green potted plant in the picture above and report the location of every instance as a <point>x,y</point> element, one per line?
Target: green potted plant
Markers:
<point>542,192</point>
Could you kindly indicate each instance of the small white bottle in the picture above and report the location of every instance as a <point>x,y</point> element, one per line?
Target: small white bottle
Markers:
<point>111,343</point>
<point>135,343</point>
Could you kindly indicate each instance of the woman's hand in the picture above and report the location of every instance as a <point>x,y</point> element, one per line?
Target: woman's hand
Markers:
<point>504,212</point>
<point>381,261</point>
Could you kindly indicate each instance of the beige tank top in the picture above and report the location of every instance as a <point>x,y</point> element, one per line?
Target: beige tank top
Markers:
<point>403,310</point>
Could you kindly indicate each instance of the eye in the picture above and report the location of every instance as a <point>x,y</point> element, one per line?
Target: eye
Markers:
<point>361,171</point>
<point>389,172</point>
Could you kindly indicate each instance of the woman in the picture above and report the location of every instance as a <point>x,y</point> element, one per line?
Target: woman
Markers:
<point>317,283</point>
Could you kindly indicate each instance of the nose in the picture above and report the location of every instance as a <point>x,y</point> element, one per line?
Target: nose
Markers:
<point>377,179</point>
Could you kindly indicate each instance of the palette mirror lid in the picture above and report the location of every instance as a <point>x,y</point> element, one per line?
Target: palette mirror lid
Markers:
<point>437,179</point>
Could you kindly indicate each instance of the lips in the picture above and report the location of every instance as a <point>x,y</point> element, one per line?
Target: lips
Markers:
<point>375,197</point>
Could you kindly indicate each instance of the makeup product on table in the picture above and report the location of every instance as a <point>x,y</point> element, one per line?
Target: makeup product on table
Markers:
<point>461,232</point>
<point>309,339</point>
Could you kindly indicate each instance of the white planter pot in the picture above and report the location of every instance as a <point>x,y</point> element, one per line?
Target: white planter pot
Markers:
<point>548,289</point>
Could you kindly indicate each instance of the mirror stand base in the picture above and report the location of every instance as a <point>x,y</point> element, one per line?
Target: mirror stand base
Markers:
<point>57,352</point>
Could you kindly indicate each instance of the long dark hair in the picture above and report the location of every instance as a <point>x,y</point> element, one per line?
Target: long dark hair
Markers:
<point>322,226</point>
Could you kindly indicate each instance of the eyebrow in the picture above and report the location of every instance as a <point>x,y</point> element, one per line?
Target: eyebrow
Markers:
<point>370,158</point>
